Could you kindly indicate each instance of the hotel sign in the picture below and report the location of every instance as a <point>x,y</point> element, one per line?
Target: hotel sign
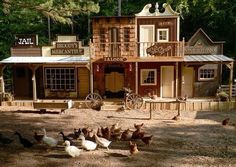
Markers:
<point>26,40</point>
<point>67,48</point>
<point>159,49</point>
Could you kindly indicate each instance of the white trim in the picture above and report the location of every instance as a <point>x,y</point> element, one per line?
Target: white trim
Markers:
<point>141,77</point>
<point>136,77</point>
<point>145,44</point>
<point>167,34</point>
<point>178,28</point>
<point>145,26</point>
<point>208,67</point>
<point>172,82</point>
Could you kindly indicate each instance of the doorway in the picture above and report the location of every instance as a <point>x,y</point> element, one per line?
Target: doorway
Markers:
<point>114,81</point>
<point>187,81</point>
<point>167,81</point>
<point>146,38</point>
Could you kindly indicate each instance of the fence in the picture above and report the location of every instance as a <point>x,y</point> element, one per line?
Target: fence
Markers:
<point>225,88</point>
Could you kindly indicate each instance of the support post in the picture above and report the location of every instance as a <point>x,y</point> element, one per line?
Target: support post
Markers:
<point>231,65</point>
<point>176,79</point>
<point>2,79</point>
<point>33,69</point>
<point>136,77</point>
<point>91,66</point>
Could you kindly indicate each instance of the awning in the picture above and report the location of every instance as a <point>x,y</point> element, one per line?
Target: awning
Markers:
<point>207,58</point>
<point>43,60</point>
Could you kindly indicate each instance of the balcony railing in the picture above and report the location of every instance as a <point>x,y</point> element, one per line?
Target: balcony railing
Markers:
<point>138,49</point>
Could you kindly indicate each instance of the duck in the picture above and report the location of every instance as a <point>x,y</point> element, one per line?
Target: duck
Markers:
<point>102,141</point>
<point>5,140</point>
<point>49,140</point>
<point>73,151</point>
<point>25,142</point>
<point>77,133</point>
<point>133,148</point>
<point>67,138</point>
<point>38,137</point>
<point>87,144</point>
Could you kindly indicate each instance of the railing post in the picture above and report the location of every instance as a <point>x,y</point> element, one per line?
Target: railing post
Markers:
<point>183,43</point>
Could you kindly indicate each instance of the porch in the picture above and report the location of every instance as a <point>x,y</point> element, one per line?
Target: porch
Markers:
<point>169,104</point>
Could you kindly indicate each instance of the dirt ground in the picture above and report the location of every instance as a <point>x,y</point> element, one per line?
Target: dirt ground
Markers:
<point>198,139</point>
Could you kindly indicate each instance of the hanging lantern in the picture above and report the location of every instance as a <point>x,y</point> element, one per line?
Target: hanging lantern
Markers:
<point>97,68</point>
<point>130,67</point>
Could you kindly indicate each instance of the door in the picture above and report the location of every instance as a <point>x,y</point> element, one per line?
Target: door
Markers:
<point>187,81</point>
<point>83,79</point>
<point>167,81</point>
<point>114,82</point>
<point>146,38</point>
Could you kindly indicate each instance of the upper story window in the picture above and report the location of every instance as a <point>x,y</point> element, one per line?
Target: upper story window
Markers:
<point>148,76</point>
<point>102,39</point>
<point>163,35</point>
<point>207,72</point>
<point>126,38</point>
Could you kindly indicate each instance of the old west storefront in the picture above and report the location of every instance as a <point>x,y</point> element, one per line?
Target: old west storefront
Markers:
<point>144,53</point>
<point>141,53</point>
<point>57,71</point>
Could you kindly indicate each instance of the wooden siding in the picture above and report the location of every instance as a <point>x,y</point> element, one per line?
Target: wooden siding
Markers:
<point>26,51</point>
<point>107,24</point>
<point>154,89</point>
<point>170,23</point>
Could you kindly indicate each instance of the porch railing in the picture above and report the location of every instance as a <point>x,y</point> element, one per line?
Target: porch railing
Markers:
<point>138,49</point>
<point>225,88</point>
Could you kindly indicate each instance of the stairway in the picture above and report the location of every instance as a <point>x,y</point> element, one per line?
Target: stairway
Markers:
<point>111,105</point>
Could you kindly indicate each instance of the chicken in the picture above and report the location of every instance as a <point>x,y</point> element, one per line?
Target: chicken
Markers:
<point>115,128</point>
<point>67,138</point>
<point>25,142</point>
<point>176,118</point>
<point>147,139</point>
<point>99,133</point>
<point>106,133</point>
<point>138,126</point>
<point>126,135</point>
<point>38,137</point>
<point>5,140</point>
<point>133,149</point>
<point>137,134</point>
<point>76,133</point>
<point>184,98</point>
<point>97,106</point>
<point>225,121</point>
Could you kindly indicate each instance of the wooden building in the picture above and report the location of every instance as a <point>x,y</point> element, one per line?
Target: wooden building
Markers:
<point>57,71</point>
<point>144,53</point>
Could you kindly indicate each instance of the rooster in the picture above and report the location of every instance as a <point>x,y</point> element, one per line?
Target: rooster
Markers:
<point>138,126</point>
<point>225,121</point>
<point>147,139</point>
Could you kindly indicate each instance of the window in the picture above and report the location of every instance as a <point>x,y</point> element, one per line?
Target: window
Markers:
<point>163,35</point>
<point>102,39</point>
<point>126,38</point>
<point>148,77</point>
<point>60,79</point>
<point>207,72</point>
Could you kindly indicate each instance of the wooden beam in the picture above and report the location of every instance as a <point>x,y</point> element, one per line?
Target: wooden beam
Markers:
<point>176,79</point>
<point>230,66</point>
<point>136,77</point>
<point>2,67</point>
<point>33,69</point>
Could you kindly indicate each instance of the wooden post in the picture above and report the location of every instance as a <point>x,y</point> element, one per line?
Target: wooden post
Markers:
<point>150,111</point>
<point>2,67</point>
<point>176,79</point>
<point>136,77</point>
<point>33,69</point>
<point>231,65</point>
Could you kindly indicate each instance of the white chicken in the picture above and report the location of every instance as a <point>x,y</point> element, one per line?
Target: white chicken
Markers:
<point>73,151</point>
<point>49,140</point>
<point>87,144</point>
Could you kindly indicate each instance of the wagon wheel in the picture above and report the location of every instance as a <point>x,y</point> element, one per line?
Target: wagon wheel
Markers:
<point>93,99</point>
<point>134,101</point>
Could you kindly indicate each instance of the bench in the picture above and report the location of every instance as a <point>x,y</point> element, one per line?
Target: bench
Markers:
<point>43,105</point>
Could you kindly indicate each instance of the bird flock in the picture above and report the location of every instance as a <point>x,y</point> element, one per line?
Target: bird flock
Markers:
<point>88,138</point>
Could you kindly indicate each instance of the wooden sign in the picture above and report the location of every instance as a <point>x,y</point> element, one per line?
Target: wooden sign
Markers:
<point>159,49</point>
<point>67,48</point>
<point>26,40</point>
<point>200,50</point>
<point>114,59</point>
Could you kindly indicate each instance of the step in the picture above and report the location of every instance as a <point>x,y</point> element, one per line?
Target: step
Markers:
<point>111,107</point>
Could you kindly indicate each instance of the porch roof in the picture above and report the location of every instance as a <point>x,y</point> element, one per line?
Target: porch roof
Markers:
<point>207,58</point>
<point>44,60</point>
